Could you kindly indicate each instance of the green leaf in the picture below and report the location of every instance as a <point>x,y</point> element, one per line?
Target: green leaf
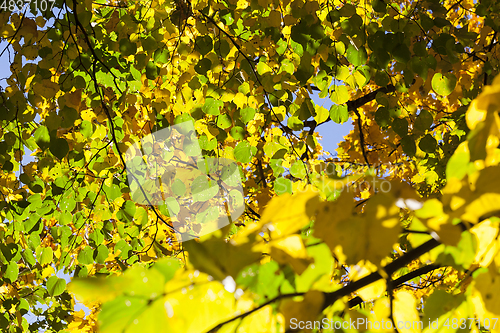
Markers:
<point>339,113</point>
<point>69,116</point>
<point>247,114</point>
<point>356,56</point>
<point>203,66</point>
<point>55,286</point>
<point>383,116</point>
<point>127,47</point>
<point>295,123</point>
<point>42,137</point>
<point>419,66</point>
<point>237,132</point>
<point>168,267</point>
<point>426,22</point>
<point>46,256</point>
<point>161,56</point>
<point>339,94</point>
<point>298,169</point>
<point>244,152</point>
<point>204,44</point>
<point>323,264</point>
<point>379,6</point>
<point>129,208</point>
<point>439,303</point>
<point>428,144</point>
<point>401,53</point>
<point>67,203</point>
<point>424,120</point>
<point>12,271</point>
<point>282,185</point>
<point>178,187</point>
<point>85,257</point>
<point>59,148</point>
<point>409,146</point>
<point>116,315</point>
<point>102,253</point>
<point>264,280</point>
<point>203,189</point>
<point>86,129</point>
<point>224,121</point>
<point>151,71</point>
<point>112,192</point>
<point>400,126</point>
<point>212,106</point>
<point>458,164</point>
<point>149,44</point>
<point>444,84</point>
<point>123,247</point>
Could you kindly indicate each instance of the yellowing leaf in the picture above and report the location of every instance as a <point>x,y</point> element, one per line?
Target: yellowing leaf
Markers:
<point>97,289</point>
<point>321,114</point>
<point>405,311</point>
<point>488,284</point>
<point>474,115</point>
<point>198,309</point>
<point>291,250</point>
<point>74,99</point>
<point>489,96</point>
<point>284,215</point>
<point>376,230</point>
<point>443,308</point>
<point>306,310</point>
<point>219,258</point>
<point>487,246</point>
<point>46,89</point>
<point>261,321</point>
<point>373,290</point>
<point>380,321</point>
<point>240,100</point>
<point>339,95</point>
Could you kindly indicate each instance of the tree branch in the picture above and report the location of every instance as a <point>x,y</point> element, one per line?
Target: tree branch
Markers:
<point>356,103</point>
<point>331,297</point>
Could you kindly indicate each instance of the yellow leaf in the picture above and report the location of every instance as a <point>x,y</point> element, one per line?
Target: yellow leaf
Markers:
<point>405,311</point>
<point>219,258</point>
<point>240,100</point>
<point>486,204</point>
<point>253,102</point>
<point>99,133</point>
<point>474,115</point>
<point>88,115</point>
<point>380,321</point>
<point>261,321</point>
<point>284,215</point>
<point>322,114</point>
<point>210,302</point>
<point>488,284</point>
<point>376,230</point>
<point>373,290</point>
<point>487,246</point>
<point>306,310</point>
<point>291,250</point>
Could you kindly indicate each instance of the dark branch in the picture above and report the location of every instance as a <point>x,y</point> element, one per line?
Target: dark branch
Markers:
<point>330,298</point>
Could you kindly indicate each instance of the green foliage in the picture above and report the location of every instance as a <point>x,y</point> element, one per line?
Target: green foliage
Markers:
<point>403,218</point>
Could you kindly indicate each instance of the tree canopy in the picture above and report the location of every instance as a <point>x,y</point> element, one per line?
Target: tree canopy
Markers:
<point>397,232</point>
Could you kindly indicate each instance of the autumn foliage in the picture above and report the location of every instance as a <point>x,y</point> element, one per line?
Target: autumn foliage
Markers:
<point>398,232</point>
